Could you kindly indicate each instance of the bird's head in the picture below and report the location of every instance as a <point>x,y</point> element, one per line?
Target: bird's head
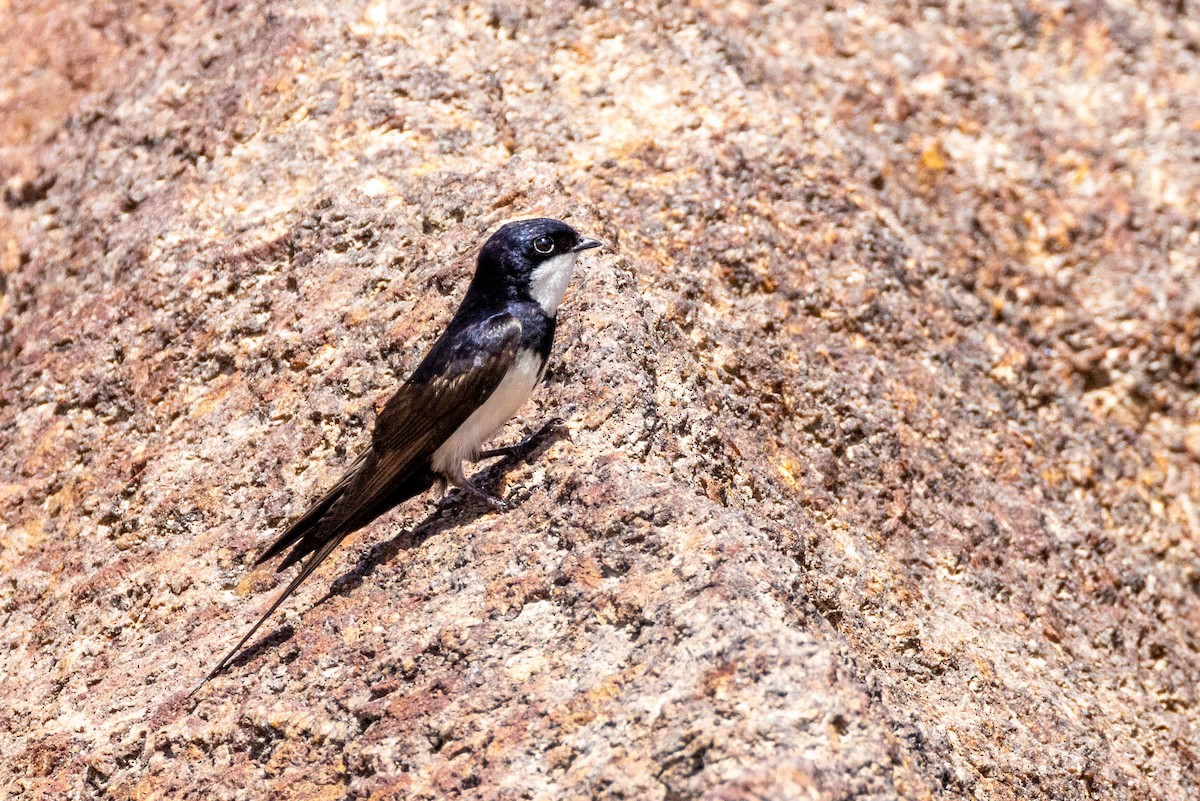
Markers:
<point>533,258</point>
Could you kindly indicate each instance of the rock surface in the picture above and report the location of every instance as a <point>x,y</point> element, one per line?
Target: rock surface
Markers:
<point>881,461</point>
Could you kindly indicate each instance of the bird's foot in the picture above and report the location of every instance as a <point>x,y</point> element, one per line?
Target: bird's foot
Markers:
<point>506,452</point>
<point>553,425</point>
<point>466,485</point>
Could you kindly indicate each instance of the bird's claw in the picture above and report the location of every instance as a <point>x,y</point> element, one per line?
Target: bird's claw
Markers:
<point>491,500</point>
<point>553,425</point>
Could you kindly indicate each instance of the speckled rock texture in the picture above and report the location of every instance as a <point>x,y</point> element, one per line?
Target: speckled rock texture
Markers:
<point>879,472</point>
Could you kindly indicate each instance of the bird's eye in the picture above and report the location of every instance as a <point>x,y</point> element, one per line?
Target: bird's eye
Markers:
<point>543,245</point>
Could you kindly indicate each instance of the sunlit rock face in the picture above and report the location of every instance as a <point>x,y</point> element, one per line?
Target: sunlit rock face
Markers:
<point>880,459</point>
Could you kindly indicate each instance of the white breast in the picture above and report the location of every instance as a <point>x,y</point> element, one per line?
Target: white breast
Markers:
<point>548,281</point>
<point>514,389</point>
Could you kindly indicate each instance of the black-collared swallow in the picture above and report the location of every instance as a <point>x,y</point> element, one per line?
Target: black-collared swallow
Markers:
<point>474,378</point>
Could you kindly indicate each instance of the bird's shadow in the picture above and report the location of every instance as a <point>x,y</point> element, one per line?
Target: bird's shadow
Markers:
<point>270,640</point>
<point>456,509</point>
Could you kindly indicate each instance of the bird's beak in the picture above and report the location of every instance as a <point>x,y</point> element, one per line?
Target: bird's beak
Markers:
<point>586,244</point>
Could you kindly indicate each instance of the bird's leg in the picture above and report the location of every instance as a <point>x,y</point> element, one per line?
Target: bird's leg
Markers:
<point>505,451</point>
<point>517,449</point>
<point>466,485</point>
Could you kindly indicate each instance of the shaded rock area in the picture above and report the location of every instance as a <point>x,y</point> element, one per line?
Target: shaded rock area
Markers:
<point>881,454</point>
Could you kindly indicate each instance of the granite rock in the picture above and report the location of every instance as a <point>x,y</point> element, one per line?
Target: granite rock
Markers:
<point>879,468</point>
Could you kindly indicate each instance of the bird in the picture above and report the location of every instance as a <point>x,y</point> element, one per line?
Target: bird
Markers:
<point>473,379</point>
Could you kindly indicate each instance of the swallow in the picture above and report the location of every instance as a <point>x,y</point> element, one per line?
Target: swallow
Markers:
<point>480,371</point>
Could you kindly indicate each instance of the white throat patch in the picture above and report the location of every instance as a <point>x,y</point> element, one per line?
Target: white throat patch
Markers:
<point>548,281</point>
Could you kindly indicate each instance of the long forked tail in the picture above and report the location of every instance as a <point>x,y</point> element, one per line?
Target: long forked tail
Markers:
<point>307,528</point>
<point>314,561</point>
<point>320,531</point>
<point>311,534</point>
